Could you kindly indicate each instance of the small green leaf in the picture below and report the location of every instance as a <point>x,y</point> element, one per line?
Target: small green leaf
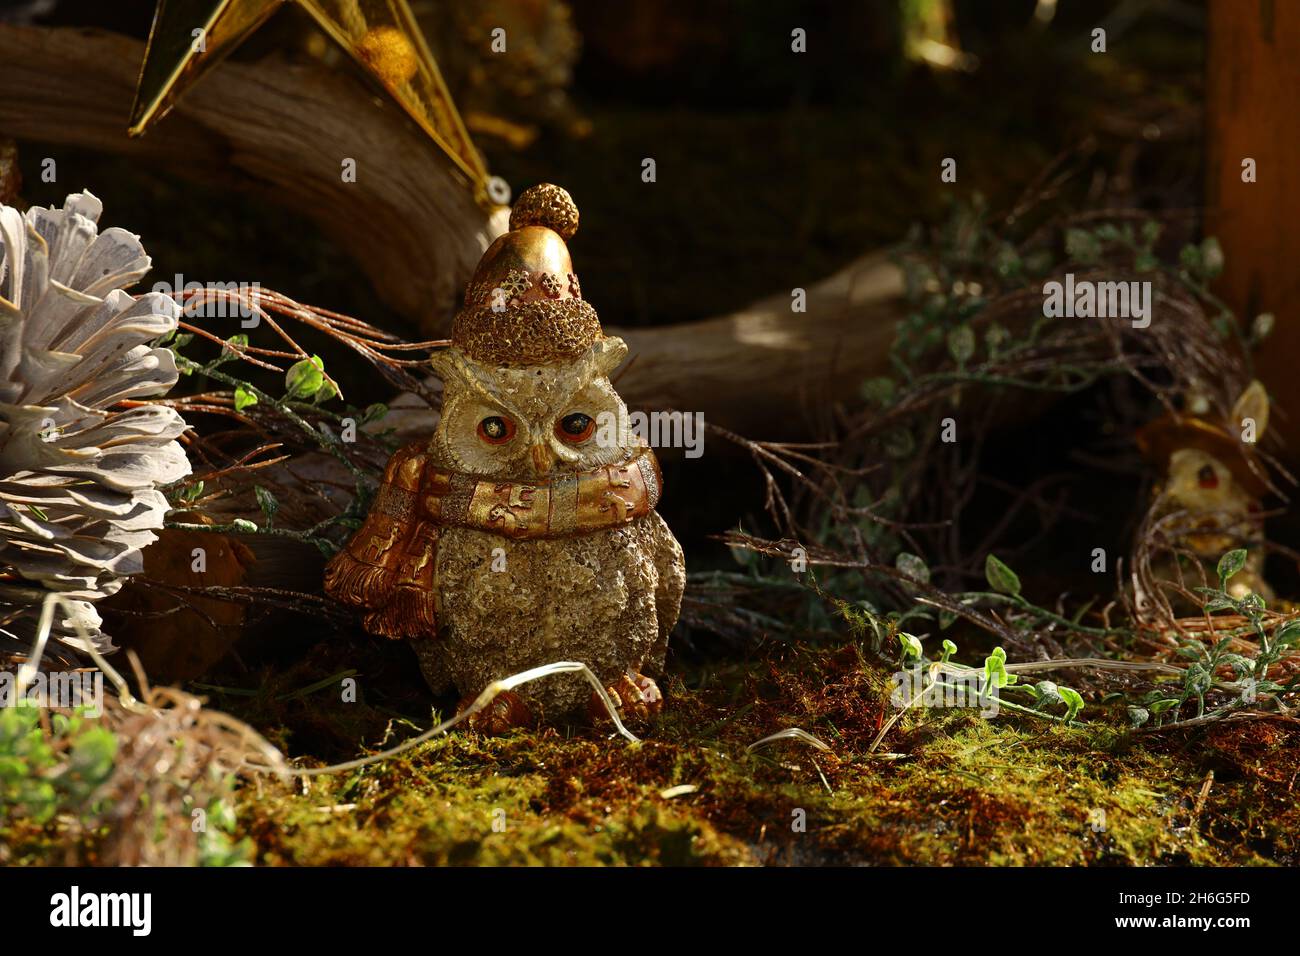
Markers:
<point>243,524</point>
<point>995,670</point>
<point>1073,702</point>
<point>1197,680</point>
<point>92,755</point>
<point>304,379</point>
<point>1211,257</point>
<point>1288,633</point>
<point>1048,691</point>
<point>995,337</point>
<point>1262,326</point>
<point>878,391</point>
<point>1241,665</point>
<point>326,391</point>
<point>266,501</point>
<point>243,398</point>
<point>913,566</point>
<point>1137,716</point>
<point>1231,563</point>
<point>1190,258</point>
<point>911,646</point>
<point>1000,577</point>
<point>1006,261</point>
<point>949,649</point>
<point>961,344</point>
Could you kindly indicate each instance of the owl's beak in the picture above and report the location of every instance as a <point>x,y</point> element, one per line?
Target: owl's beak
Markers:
<point>543,459</point>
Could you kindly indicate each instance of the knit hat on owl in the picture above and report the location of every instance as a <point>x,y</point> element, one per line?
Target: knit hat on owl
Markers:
<point>524,305</point>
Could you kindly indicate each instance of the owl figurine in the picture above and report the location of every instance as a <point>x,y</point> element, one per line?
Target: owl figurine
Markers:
<point>1213,476</point>
<point>524,531</point>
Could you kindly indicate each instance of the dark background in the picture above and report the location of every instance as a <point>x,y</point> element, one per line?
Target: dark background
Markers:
<point>774,168</point>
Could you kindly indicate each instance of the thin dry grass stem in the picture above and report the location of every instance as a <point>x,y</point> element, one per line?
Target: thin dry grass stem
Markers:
<point>790,733</point>
<point>374,344</point>
<point>485,698</point>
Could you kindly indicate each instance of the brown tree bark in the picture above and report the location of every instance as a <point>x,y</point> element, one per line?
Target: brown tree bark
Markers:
<point>1253,81</point>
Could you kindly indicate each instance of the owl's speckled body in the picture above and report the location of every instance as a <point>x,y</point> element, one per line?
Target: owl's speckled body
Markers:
<point>524,532</point>
<point>608,599</point>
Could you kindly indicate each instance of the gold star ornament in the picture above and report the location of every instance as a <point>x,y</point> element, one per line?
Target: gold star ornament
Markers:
<point>190,37</point>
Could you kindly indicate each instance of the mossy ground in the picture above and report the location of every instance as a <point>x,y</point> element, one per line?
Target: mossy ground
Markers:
<point>945,787</point>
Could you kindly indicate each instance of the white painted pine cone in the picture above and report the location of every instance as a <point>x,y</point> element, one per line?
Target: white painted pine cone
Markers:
<point>79,479</point>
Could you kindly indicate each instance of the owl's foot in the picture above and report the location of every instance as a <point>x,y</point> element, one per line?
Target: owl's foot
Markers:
<point>637,698</point>
<point>506,711</point>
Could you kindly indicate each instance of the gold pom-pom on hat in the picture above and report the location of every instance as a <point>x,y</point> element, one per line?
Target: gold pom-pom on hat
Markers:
<point>524,305</point>
<point>546,205</point>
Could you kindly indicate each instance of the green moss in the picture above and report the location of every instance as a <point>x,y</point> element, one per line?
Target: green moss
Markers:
<point>466,800</point>
<point>945,787</point>
<point>1009,793</point>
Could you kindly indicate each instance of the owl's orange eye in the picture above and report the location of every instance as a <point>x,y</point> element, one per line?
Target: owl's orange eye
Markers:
<point>1206,477</point>
<point>496,430</point>
<point>575,428</point>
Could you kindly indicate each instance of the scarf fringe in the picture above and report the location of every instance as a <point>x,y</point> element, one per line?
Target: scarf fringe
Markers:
<point>411,612</point>
<point>354,582</point>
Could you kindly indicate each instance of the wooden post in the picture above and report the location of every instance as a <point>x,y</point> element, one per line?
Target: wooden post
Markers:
<point>1253,113</point>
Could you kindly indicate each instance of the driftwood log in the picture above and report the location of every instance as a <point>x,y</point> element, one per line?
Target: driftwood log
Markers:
<point>766,370</point>
<point>282,130</point>
<point>279,129</point>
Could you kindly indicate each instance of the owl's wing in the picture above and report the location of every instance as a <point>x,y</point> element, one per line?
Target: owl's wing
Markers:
<point>670,564</point>
<point>387,568</point>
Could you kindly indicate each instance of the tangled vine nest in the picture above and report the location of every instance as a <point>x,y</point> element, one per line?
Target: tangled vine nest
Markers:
<point>891,515</point>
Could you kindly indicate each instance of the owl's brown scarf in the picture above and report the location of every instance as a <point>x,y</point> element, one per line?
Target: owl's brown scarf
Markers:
<point>389,566</point>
